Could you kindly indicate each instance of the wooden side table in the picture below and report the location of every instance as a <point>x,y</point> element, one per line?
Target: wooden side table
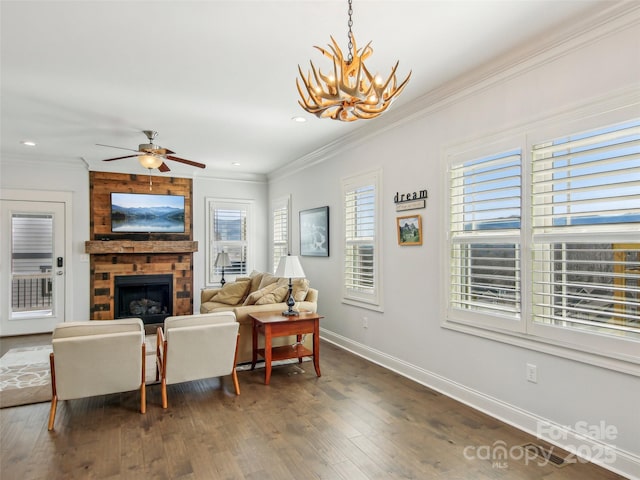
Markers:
<point>274,324</point>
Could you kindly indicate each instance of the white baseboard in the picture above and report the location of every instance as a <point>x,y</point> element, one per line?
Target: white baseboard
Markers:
<point>582,448</point>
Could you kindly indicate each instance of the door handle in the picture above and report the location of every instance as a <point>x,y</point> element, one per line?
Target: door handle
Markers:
<point>59,272</point>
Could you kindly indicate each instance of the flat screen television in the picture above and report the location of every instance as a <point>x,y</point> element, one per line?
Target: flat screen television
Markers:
<point>147,213</point>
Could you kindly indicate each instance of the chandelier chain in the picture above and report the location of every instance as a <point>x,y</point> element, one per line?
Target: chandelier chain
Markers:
<point>350,35</point>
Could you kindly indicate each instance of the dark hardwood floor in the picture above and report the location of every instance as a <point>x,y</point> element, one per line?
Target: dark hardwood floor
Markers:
<point>358,421</point>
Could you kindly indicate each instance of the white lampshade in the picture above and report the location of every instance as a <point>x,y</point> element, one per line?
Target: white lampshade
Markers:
<point>150,161</point>
<point>222,260</point>
<point>289,267</point>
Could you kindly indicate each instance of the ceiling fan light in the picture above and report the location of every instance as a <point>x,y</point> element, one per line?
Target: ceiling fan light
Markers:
<point>150,161</point>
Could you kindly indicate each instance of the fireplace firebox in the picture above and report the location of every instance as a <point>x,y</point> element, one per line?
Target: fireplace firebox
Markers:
<point>148,297</point>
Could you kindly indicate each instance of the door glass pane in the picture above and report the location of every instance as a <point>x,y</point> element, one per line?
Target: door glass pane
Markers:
<point>31,265</point>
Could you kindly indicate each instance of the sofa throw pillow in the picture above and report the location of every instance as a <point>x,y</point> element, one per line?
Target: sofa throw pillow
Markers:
<point>300,289</point>
<point>276,296</point>
<point>268,279</point>
<point>232,293</point>
<point>253,297</point>
<point>256,278</point>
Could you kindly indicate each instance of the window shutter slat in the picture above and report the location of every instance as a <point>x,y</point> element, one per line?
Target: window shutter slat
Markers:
<point>360,281</point>
<point>485,208</point>
<point>582,185</point>
<point>280,232</point>
<point>229,234</point>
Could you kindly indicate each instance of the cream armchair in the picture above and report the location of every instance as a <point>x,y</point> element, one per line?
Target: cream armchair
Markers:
<point>193,347</point>
<point>98,357</point>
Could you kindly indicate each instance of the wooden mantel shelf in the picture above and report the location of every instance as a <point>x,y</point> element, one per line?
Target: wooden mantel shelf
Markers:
<point>130,246</point>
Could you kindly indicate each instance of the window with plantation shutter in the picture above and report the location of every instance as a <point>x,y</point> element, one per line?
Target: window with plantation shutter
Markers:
<point>362,240</point>
<point>280,216</point>
<point>227,231</point>
<point>485,234</point>
<point>586,231</point>
<point>543,245</point>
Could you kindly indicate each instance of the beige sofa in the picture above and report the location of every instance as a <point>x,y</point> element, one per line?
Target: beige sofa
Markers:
<point>259,292</point>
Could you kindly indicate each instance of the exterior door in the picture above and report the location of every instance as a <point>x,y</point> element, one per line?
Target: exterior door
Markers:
<point>32,277</point>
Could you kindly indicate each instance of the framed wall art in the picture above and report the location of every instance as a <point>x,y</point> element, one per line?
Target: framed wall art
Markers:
<point>314,232</point>
<point>409,230</point>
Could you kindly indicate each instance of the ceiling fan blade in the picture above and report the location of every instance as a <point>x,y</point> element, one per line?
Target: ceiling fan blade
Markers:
<point>187,162</point>
<point>113,146</point>
<point>163,167</point>
<point>119,158</point>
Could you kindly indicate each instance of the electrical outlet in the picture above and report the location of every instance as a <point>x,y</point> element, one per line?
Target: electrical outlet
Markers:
<point>532,373</point>
<point>365,322</point>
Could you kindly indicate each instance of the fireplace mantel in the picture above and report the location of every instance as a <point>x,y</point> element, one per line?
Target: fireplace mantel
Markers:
<point>129,246</point>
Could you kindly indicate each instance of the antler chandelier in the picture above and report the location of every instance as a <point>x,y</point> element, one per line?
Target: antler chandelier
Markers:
<point>350,92</point>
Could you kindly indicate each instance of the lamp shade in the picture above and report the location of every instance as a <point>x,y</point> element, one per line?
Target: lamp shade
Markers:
<point>150,161</point>
<point>289,267</point>
<point>222,260</point>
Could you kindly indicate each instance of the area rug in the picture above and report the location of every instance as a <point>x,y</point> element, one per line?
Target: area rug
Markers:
<point>25,376</point>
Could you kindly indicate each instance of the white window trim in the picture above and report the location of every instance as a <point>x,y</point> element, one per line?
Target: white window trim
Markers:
<point>601,350</point>
<point>505,321</point>
<point>276,204</point>
<point>374,301</point>
<point>210,202</point>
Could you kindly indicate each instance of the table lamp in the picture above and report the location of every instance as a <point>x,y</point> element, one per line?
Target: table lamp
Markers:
<point>222,260</point>
<point>289,266</point>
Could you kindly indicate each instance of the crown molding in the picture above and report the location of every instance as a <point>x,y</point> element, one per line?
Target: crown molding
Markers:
<point>602,21</point>
<point>23,160</point>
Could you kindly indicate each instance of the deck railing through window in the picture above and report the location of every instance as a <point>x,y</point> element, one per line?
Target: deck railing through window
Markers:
<point>31,292</point>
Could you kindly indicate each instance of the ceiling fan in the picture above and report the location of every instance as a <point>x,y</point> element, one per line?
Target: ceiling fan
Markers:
<point>152,156</point>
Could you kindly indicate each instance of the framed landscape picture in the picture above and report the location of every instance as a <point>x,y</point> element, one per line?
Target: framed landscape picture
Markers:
<point>314,232</point>
<point>409,230</point>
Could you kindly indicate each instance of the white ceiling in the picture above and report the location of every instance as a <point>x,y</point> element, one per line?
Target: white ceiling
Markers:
<point>216,79</point>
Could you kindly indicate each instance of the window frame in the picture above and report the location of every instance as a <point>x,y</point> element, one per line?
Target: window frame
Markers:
<point>280,204</point>
<point>501,321</point>
<point>212,203</point>
<point>606,345</point>
<point>607,351</point>
<point>369,300</point>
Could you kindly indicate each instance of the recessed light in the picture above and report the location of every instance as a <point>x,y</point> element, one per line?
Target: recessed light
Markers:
<point>235,164</point>
<point>28,143</point>
<point>299,119</point>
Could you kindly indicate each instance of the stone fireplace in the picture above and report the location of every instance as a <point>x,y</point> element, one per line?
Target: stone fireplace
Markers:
<point>148,297</point>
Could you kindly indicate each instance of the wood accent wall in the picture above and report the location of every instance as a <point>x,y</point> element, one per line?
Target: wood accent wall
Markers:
<point>114,254</point>
<point>102,184</point>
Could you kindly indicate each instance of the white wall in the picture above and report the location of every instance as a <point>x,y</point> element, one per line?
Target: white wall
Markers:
<point>601,61</point>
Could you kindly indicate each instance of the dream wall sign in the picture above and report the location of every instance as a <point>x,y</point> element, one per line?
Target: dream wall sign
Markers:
<point>410,200</point>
